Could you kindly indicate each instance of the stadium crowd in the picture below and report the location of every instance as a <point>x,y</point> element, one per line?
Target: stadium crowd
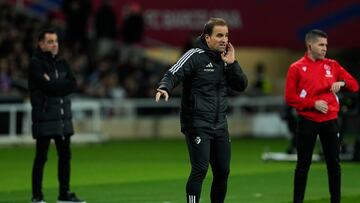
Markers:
<point>107,63</point>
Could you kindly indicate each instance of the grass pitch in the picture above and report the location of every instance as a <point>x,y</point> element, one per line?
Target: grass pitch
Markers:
<point>155,171</point>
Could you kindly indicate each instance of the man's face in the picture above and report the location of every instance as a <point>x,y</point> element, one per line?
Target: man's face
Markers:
<point>50,44</point>
<point>218,40</point>
<point>317,48</point>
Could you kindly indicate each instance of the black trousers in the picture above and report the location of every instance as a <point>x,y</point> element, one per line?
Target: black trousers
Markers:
<point>208,146</point>
<point>64,156</point>
<point>307,132</point>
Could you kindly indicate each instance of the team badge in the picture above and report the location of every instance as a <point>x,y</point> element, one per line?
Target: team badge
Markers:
<point>327,71</point>
<point>197,140</point>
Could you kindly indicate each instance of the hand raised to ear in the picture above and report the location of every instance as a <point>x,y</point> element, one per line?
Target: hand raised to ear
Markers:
<point>229,56</point>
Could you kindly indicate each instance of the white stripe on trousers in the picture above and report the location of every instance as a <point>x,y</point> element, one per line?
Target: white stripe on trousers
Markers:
<point>192,199</point>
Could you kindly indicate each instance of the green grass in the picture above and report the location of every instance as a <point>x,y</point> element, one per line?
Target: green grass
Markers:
<point>156,172</point>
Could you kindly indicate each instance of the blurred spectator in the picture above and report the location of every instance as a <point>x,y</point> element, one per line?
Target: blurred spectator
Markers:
<point>356,153</point>
<point>104,82</point>
<point>5,77</point>
<point>349,118</point>
<point>80,67</point>
<point>132,32</point>
<point>105,29</point>
<point>14,58</point>
<point>261,85</point>
<point>133,25</point>
<point>112,89</point>
<point>190,43</point>
<point>76,13</point>
<point>289,115</point>
<point>94,79</point>
<point>105,21</point>
<point>132,84</point>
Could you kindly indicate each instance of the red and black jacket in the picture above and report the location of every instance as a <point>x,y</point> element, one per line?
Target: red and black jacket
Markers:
<point>308,81</point>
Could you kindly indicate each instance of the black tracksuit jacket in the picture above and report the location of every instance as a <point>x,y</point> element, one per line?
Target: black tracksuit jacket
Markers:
<point>51,105</point>
<point>206,79</point>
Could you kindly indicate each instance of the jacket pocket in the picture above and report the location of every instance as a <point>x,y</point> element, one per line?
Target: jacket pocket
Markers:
<point>205,104</point>
<point>53,128</point>
<point>50,113</point>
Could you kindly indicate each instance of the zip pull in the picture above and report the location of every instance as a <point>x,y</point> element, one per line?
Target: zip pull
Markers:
<point>56,74</point>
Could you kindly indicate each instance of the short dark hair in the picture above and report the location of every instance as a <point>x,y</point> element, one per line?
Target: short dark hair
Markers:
<point>209,26</point>
<point>44,31</point>
<point>315,33</point>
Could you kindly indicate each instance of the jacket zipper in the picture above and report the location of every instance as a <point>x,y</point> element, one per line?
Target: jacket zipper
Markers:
<point>217,100</point>
<point>45,104</point>
<point>217,107</point>
<point>56,70</point>
<point>62,121</point>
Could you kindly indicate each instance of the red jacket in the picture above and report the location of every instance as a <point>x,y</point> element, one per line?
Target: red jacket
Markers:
<point>308,81</point>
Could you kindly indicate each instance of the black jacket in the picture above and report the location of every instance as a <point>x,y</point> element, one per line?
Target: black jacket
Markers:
<point>206,79</point>
<point>51,105</point>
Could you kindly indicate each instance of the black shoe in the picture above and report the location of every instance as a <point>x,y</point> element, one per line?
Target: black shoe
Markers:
<point>69,198</point>
<point>37,200</point>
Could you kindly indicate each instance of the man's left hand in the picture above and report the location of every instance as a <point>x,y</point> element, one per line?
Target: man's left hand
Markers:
<point>46,76</point>
<point>229,56</point>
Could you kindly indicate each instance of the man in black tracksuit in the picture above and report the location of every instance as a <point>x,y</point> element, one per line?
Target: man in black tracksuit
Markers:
<point>207,72</point>
<point>50,83</point>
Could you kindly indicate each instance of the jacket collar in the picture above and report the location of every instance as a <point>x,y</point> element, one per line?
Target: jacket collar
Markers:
<point>46,55</point>
<point>201,43</point>
<point>307,58</point>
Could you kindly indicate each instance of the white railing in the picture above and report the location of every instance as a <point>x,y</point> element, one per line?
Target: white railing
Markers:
<point>12,110</point>
<point>83,111</point>
<point>90,113</point>
<point>127,107</point>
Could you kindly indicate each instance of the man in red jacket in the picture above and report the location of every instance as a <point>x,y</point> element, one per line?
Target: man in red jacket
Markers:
<point>311,86</point>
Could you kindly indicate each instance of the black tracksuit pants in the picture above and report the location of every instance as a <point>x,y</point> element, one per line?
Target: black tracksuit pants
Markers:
<point>64,156</point>
<point>208,146</point>
<point>307,132</point>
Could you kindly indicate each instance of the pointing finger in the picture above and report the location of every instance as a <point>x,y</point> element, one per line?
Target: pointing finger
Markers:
<point>158,95</point>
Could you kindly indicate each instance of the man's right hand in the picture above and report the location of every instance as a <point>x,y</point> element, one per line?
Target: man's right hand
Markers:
<point>229,56</point>
<point>321,106</point>
<point>161,93</point>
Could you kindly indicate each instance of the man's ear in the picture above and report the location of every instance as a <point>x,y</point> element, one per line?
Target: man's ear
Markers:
<point>41,44</point>
<point>207,39</point>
